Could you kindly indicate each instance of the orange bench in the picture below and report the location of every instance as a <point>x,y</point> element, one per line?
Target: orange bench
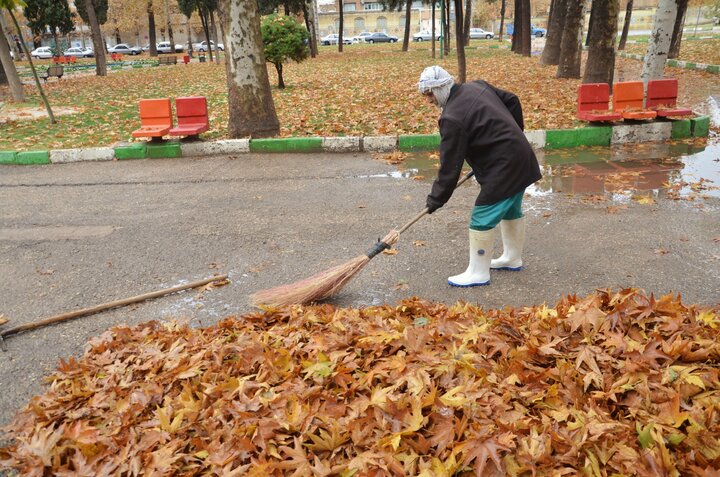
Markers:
<point>593,103</point>
<point>155,118</point>
<point>662,98</point>
<point>116,56</point>
<point>192,116</point>
<point>628,100</point>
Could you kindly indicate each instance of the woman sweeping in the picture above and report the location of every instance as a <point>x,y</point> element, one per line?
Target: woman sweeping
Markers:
<point>482,125</point>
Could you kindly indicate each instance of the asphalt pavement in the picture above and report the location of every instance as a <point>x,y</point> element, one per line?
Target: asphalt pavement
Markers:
<point>76,235</point>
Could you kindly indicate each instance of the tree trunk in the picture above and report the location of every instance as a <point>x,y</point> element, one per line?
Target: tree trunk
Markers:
<point>250,102</point>
<point>189,31</point>
<point>100,61</point>
<point>467,17</point>
<point>460,41</point>
<point>309,11</point>
<point>526,38</point>
<point>151,29</point>
<point>118,39</point>
<point>678,29</point>
<point>446,26</point>
<point>57,50</point>
<point>168,27</point>
<point>626,25</point>
<point>517,30</point>
<point>600,65</point>
<point>3,76</point>
<point>281,81</point>
<point>570,45</point>
<point>502,19</point>
<point>8,66</point>
<point>556,25</point>
<point>206,29</point>
<point>432,27</point>
<point>342,25</point>
<point>659,40</point>
<point>591,22</point>
<point>406,34</point>
<point>51,116</point>
<point>213,29</point>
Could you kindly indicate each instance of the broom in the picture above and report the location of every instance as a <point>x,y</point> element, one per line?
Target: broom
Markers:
<point>329,282</point>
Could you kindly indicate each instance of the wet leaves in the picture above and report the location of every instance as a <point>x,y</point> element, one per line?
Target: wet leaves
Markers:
<point>613,383</point>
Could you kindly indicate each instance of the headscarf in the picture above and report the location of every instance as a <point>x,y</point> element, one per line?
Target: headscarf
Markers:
<point>438,81</point>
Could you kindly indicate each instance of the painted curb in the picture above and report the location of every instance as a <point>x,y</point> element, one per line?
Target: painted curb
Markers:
<point>538,139</point>
<point>379,143</point>
<point>342,144</point>
<point>632,134</point>
<point>589,136</point>
<point>688,65</point>
<point>419,142</point>
<point>224,146</point>
<point>32,157</point>
<point>681,129</point>
<point>287,145</point>
<point>700,126</point>
<point>62,156</point>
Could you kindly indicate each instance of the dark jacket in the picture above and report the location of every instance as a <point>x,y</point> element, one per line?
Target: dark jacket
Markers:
<point>483,125</point>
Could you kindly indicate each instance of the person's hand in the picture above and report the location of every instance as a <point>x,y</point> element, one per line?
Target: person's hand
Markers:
<point>432,204</point>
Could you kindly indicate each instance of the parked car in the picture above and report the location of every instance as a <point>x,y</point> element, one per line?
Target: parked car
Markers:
<point>534,31</point>
<point>164,47</point>
<point>426,35</point>
<point>360,37</point>
<point>44,52</point>
<point>125,49</point>
<point>379,37</point>
<point>333,38</point>
<point>203,46</point>
<point>79,52</point>
<point>479,33</point>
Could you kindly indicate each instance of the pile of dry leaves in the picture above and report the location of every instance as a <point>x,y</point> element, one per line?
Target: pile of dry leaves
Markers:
<point>614,383</point>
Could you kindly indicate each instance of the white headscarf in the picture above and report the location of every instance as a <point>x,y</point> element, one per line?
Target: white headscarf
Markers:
<point>438,81</point>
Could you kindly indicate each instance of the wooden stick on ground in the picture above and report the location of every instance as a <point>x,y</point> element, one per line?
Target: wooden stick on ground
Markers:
<point>106,306</point>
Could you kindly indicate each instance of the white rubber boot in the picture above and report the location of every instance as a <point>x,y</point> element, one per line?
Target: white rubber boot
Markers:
<point>513,239</point>
<point>478,270</point>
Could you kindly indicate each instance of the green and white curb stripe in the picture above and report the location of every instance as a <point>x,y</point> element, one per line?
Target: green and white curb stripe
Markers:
<point>658,131</point>
<point>688,65</point>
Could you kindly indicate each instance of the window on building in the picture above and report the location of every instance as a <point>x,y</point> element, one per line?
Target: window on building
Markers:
<point>372,6</point>
<point>349,7</point>
<point>359,24</point>
<point>401,21</point>
<point>381,24</point>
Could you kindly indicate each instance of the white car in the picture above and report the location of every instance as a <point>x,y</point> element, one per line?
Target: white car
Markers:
<point>164,47</point>
<point>426,35</point>
<point>125,49</point>
<point>79,52</point>
<point>332,39</point>
<point>44,52</point>
<point>202,46</point>
<point>360,37</point>
<point>479,33</point>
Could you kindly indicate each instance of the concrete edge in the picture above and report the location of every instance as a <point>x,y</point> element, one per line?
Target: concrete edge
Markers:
<point>688,65</point>
<point>538,139</point>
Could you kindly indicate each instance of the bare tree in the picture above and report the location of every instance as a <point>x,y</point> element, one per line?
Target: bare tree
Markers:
<point>460,40</point>
<point>310,14</point>
<point>600,65</point>
<point>342,25</point>
<point>97,39</point>
<point>250,102</point>
<point>626,24</point>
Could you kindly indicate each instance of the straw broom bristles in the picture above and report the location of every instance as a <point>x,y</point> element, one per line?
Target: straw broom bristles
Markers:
<point>324,284</point>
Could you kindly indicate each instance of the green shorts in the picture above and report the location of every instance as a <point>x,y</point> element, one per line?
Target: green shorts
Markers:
<point>486,217</point>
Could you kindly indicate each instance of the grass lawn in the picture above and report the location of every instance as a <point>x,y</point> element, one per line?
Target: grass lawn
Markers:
<point>366,90</point>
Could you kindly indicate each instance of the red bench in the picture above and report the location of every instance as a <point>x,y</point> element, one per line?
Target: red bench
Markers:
<point>192,116</point>
<point>628,99</point>
<point>662,98</point>
<point>155,118</point>
<point>593,103</point>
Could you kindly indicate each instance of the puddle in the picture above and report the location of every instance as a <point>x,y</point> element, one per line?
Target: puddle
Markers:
<point>684,171</point>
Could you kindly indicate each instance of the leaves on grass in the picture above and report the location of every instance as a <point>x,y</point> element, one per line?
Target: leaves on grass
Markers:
<point>616,383</point>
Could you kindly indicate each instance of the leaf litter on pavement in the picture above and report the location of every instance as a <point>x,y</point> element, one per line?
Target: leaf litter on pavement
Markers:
<point>614,383</point>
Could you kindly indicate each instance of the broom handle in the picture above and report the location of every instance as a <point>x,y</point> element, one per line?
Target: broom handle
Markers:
<point>425,211</point>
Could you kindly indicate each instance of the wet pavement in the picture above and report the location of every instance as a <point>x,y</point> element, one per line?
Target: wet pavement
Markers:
<point>76,235</point>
